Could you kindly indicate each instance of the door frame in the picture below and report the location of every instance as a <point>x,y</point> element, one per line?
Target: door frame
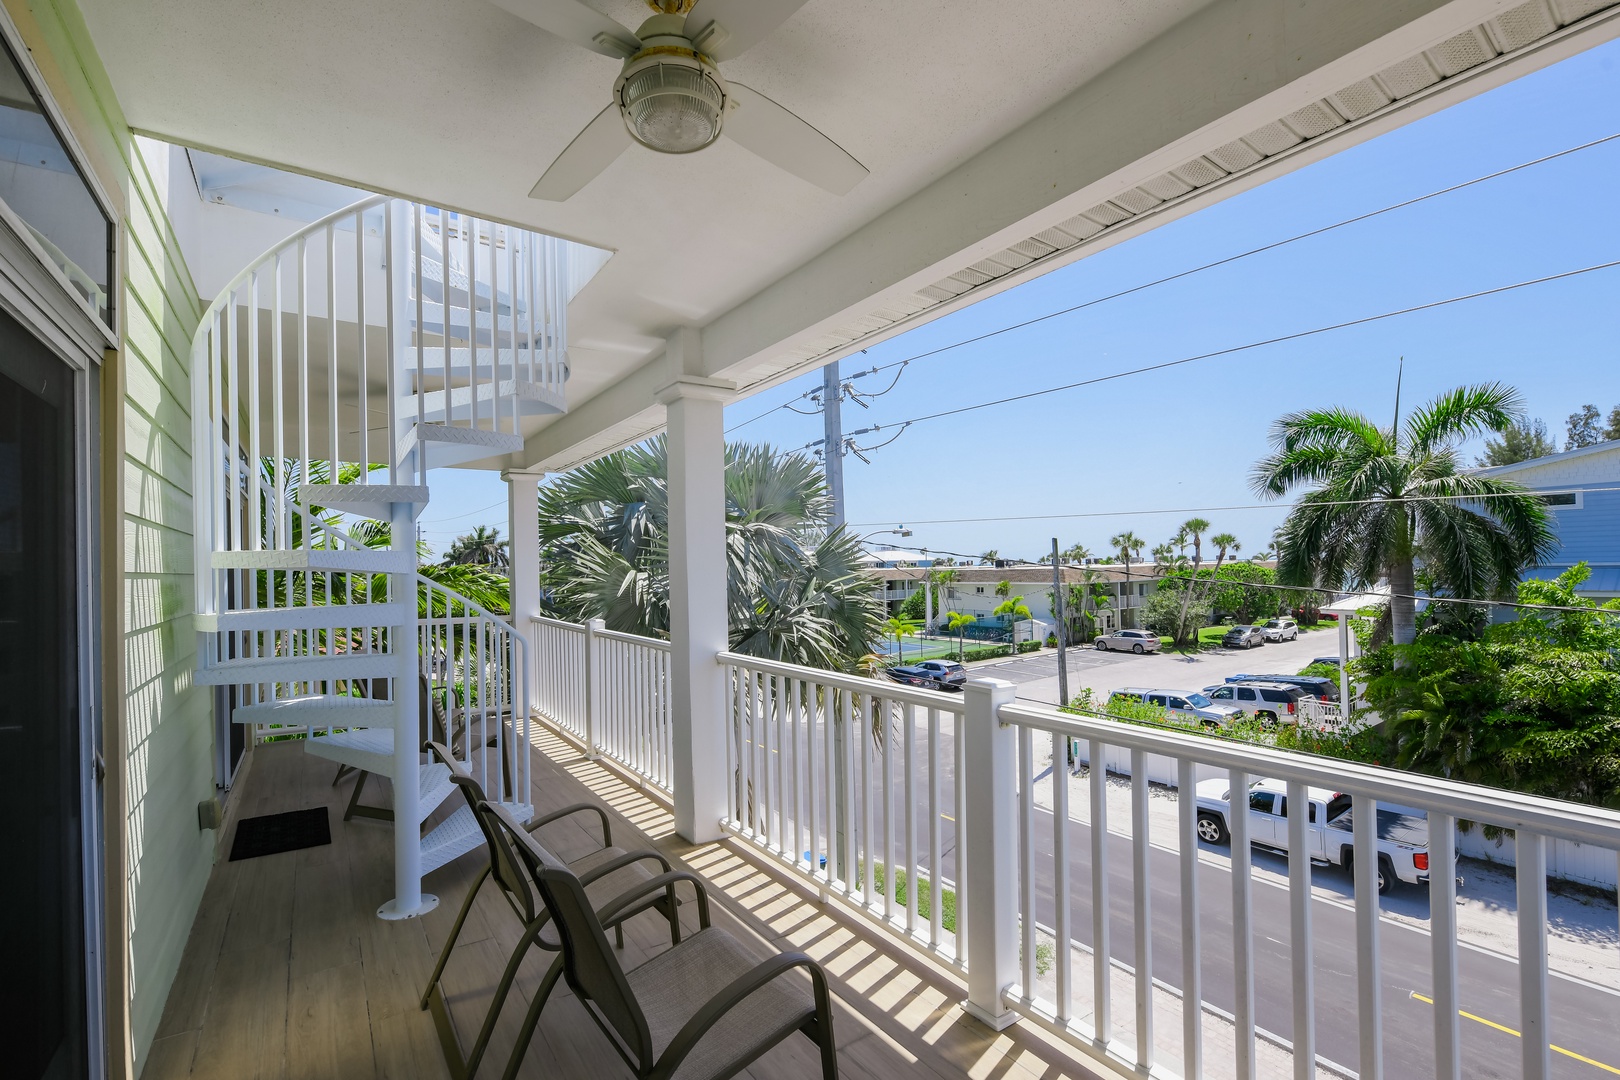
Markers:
<point>38,295</point>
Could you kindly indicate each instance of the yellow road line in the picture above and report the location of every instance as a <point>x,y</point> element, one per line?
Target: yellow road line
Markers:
<point>1516,1035</point>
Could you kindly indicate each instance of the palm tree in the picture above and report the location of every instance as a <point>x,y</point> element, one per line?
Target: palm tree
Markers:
<point>899,627</point>
<point>1004,588</point>
<point>1161,558</point>
<point>1015,610</point>
<point>794,590</point>
<point>1078,553</point>
<point>958,622</point>
<point>989,558</point>
<point>481,547</point>
<point>1195,528</point>
<point>1381,499</point>
<point>1181,539</point>
<point>1124,544</point>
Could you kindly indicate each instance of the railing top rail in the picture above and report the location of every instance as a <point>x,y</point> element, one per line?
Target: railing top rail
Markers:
<point>557,624</point>
<point>859,684</point>
<point>1472,802</point>
<point>281,245</point>
<point>634,639</point>
<point>472,609</point>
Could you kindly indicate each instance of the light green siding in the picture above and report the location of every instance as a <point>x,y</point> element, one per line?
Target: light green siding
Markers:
<point>168,737</point>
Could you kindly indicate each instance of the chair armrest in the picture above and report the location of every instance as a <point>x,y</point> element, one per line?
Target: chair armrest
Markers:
<point>662,882</point>
<point>733,995</point>
<point>619,862</point>
<point>577,808</point>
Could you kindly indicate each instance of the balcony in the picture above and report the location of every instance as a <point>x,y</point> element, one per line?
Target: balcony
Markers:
<point>915,843</point>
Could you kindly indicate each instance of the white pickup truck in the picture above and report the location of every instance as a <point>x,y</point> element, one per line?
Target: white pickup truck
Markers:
<point>1403,837</point>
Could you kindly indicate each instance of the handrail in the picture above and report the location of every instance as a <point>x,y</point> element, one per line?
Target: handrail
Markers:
<point>314,228</point>
<point>1571,821</point>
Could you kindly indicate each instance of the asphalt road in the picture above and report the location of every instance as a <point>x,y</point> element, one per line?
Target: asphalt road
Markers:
<point>1584,1019</point>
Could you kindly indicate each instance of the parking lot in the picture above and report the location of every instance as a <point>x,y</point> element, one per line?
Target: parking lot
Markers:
<point>1036,673</point>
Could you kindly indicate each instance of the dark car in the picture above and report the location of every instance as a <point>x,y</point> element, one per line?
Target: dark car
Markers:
<point>1244,637</point>
<point>1318,687</point>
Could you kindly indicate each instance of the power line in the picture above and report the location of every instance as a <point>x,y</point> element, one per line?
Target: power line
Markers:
<point>1274,245</point>
<point>1296,336</point>
<point>1209,509</point>
<point>470,513</point>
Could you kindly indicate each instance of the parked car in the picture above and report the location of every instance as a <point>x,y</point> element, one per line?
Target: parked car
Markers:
<point>934,674</point>
<point>1188,707</point>
<point>1244,637</point>
<point>1276,702</point>
<point>1331,661</point>
<point>1315,685</point>
<point>1136,641</point>
<point>1403,836</point>
<point>1281,630</point>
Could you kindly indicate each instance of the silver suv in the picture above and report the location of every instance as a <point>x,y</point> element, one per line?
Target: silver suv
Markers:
<point>1276,702</point>
<point>1185,706</point>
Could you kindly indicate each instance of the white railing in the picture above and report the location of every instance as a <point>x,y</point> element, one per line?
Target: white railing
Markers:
<point>1053,889</point>
<point>477,666</point>
<point>609,691</point>
<point>853,782</point>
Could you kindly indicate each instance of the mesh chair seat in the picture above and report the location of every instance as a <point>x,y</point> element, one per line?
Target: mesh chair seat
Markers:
<point>672,986</point>
<point>601,891</point>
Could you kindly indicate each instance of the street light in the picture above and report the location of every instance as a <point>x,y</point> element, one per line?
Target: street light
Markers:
<point>897,531</point>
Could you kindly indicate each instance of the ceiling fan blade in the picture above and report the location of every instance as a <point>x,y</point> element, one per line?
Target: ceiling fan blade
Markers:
<point>573,21</point>
<point>592,150</point>
<point>740,24</point>
<point>784,140</point>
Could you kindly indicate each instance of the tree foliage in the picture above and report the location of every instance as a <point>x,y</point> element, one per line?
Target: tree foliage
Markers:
<point>794,590</point>
<point>1379,499</point>
<point>1532,705</point>
<point>1522,441</point>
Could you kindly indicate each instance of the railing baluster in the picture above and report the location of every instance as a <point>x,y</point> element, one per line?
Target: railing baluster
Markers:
<point>1530,887</point>
<point>1443,945</point>
<point>1369,1010</point>
<point>936,896</point>
<point>957,832</point>
<point>1102,952</point>
<point>846,769</point>
<point>905,712</point>
<point>1242,924</point>
<point>1192,989</point>
<point>360,334</point>
<point>1061,917</point>
<point>1298,808</point>
<point>910,794</point>
<point>1026,858</point>
<point>1142,909</point>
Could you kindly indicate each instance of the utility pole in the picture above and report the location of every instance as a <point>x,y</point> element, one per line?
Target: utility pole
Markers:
<point>832,416</point>
<point>1062,644</point>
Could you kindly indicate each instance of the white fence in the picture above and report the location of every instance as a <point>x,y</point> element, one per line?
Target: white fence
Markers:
<point>1040,879</point>
<point>853,782</point>
<point>609,691</point>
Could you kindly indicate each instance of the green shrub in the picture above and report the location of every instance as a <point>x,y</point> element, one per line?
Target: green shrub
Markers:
<point>1029,646</point>
<point>986,652</point>
<point>1321,671</point>
<point>925,908</point>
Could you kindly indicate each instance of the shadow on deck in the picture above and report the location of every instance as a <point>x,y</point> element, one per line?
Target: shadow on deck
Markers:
<point>289,973</point>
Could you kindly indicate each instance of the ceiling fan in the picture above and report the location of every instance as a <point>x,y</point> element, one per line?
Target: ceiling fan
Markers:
<point>670,96</point>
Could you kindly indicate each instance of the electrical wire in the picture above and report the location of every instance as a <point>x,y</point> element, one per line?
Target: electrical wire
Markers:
<point>1273,246</point>
<point>458,517</point>
<point>1296,336</point>
<point>1204,509</point>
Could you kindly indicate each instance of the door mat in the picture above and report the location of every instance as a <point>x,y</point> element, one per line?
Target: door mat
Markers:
<point>275,833</point>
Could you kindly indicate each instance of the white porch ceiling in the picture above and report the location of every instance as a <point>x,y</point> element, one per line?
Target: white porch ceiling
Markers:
<point>1003,139</point>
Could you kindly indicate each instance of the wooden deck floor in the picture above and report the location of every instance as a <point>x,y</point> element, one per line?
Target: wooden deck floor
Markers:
<point>288,972</point>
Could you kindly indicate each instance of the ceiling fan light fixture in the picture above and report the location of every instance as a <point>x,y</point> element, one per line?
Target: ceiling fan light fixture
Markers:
<point>672,104</point>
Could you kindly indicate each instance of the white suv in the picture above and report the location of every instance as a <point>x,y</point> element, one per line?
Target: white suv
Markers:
<point>1281,630</point>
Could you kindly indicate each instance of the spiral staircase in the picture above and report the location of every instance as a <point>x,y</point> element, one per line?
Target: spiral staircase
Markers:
<point>328,377</point>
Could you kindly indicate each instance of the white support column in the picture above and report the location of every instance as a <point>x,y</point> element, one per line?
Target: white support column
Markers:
<point>990,851</point>
<point>698,630</point>
<point>1344,666</point>
<point>409,901</point>
<point>523,531</point>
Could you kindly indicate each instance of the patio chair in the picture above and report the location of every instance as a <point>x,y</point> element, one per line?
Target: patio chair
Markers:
<point>608,871</point>
<point>704,1010</point>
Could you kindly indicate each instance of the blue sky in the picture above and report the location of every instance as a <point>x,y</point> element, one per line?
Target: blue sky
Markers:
<point>1186,437</point>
